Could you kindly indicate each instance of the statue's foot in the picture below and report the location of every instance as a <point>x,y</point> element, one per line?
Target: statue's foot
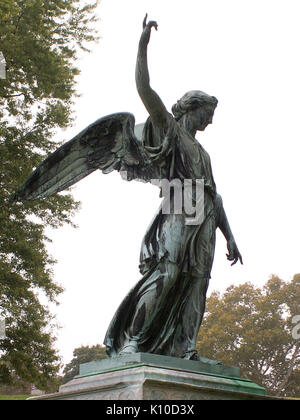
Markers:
<point>191,355</point>
<point>129,348</point>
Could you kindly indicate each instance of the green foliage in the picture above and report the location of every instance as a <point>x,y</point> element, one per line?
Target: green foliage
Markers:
<point>40,40</point>
<point>81,355</point>
<point>251,327</point>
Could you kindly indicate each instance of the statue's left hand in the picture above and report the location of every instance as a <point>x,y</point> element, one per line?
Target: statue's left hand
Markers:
<point>150,24</point>
<point>233,252</point>
<point>147,26</point>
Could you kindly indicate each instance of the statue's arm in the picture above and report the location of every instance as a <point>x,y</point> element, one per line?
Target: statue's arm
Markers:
<point>149,97</point>
<point>223,224</point>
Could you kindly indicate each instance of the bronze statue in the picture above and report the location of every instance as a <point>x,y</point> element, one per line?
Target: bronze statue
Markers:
<point>163,312</point>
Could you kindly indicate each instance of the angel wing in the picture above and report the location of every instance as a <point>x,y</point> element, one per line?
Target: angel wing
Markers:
<point>108,144</point>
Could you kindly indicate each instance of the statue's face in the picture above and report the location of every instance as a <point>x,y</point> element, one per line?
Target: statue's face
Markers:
<point>201,116</point>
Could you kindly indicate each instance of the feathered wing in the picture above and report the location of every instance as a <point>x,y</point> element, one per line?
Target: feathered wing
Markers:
<point>108,144</point>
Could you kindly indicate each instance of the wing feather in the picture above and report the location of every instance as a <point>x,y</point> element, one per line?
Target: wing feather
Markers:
<point>108,144</point>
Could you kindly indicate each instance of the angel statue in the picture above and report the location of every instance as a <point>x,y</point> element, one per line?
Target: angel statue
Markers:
<point>163,312</point>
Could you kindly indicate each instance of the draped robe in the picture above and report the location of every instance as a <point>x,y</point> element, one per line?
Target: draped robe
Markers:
<point>163,311</point>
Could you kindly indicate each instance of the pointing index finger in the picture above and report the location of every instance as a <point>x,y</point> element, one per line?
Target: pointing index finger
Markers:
<point>145,21</point>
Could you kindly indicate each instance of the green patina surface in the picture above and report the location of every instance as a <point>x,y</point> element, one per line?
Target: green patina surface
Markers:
<point>226,377</point>
<point>203,366</point>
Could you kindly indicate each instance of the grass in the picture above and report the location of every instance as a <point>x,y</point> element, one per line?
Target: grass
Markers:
<point>14,397</point>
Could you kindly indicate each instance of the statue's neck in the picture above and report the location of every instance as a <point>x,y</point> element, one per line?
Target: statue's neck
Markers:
<point>192,133</point>
<point>187,126</point>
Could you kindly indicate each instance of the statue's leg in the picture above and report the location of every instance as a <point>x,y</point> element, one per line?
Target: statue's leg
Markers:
<point>193,315</point>
<point>199,280</point>
<point>151,301</point>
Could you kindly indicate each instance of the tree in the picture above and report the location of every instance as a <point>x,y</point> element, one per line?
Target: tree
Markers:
<point>40,40</point>
<point>252,328</point>
<point>81,355</point>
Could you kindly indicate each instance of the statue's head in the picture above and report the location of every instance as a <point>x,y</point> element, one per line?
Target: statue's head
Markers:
<point>195,110</point>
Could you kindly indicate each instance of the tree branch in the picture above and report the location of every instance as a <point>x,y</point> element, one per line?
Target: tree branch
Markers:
<point>19,19</point>
<point>290,370</point>
<point>13,96</point>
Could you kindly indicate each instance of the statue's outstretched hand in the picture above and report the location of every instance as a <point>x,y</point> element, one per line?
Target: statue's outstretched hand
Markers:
<point>150,24</point>
<point>147,26</point>
<point>233,252</point>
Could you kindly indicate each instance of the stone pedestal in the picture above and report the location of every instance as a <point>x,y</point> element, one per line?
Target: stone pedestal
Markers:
<point>145,376</point>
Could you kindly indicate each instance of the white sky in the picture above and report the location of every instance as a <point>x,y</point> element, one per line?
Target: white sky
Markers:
<point>246,53</point>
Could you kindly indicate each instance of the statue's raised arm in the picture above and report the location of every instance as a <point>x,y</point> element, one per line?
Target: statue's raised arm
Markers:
<point>154,105</point>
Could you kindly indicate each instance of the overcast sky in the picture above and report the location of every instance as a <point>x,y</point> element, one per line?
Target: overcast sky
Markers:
<point>246,53</point>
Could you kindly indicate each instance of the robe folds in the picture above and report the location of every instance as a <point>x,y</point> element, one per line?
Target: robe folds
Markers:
<point>162,313</point>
